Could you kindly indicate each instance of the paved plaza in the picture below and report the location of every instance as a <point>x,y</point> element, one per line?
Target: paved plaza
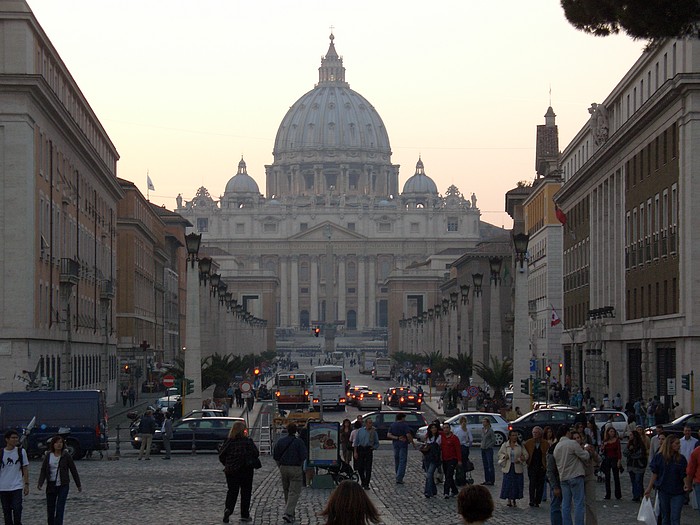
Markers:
<point>191,490</point>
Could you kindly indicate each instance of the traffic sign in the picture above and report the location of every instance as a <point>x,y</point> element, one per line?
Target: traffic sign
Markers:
<point>168,381</point>
<point>671,386</point>
<point>245,386</point>
<point>533,365</point>
<point>473,391</point>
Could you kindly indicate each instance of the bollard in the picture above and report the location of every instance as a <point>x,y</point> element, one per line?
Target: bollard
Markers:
<point>117,453</point>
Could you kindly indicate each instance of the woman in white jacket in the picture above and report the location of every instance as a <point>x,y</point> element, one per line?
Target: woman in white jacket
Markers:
<point>512,458</point>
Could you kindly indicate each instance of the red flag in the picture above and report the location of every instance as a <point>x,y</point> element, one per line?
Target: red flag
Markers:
<point>555,317</point>
<point>560,214</point>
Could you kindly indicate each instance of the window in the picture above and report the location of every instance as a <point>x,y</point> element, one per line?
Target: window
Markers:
<point>384,227</point>
<point>240,227</point>
<point>415,227</point>
<point>452,224</point>
<point>351,226</point>
<point>303,226</point>
<point>202,224</point>
<point>270,227</point>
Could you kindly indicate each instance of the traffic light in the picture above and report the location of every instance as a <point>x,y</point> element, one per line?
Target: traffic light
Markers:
<point>317,331</point>
<point>178,385</point>
<point>561,366</point>
<point>685,381</point>
<point>189,385</point>
<point>548,369</point>
<point>126,368</point>
<point>428,373</point>
<point>536,388</point>
<point>525,386</point>
<point>256,372</point>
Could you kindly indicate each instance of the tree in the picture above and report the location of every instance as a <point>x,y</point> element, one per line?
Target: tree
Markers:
<point>640,19</point>
<point>498,376</point>
<point>462,367</point>
<point>436,362</point>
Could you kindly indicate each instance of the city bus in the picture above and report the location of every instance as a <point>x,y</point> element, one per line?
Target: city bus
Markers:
<point>382,368</point>
<point>328,387</point>
<point>291,391</point>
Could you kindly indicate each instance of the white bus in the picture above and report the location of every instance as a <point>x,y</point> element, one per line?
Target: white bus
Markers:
<point>382,368</point>
<point>328,387</point>
<point>291,391</point>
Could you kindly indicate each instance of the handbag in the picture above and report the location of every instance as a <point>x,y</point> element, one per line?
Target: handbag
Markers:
<point>254,462</point>
<point>646,512</point>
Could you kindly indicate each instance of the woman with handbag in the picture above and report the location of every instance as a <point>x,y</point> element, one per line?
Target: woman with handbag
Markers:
<point>636,453</point>
<point>240,457</point>
<point>611,452</point>
<point>512,458</point>
<point>55,471</point>
<point>431,459</point>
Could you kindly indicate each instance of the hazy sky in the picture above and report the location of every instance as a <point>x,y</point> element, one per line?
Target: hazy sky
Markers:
<point>185,88</point>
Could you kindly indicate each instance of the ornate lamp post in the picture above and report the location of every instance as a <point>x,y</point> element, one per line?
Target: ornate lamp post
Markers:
<point>521,348</point>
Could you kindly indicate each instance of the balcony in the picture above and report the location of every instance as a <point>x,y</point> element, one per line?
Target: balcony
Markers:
<point>107,292</point>
<point>70,271</point>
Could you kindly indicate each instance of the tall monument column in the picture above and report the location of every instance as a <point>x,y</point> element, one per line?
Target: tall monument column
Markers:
<point>294,308</point>
<point>361,286</point>
<point>314,290</point>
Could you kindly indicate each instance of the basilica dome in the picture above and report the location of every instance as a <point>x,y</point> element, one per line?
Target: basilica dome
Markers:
<point>332,117</point>
<point>420,183</point>
<point>241,182</point>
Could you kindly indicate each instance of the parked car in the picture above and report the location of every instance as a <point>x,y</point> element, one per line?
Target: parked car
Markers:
<point>541,418</point>
<point>352,393</point>
<point>383,420</point>
<point>475,424</point>
<point>410,399</point>
<point>368,399</point>
<point>601,417</point>
<point>676,426</point>
<point>167,402</point>
<point>209,433</point>
<point>204,412</point>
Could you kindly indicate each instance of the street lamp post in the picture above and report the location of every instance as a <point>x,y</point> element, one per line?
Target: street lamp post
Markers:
<point>193,336</point>
<point>521,350</point>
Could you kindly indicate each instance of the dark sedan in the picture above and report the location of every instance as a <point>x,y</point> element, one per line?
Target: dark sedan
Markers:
<point>208,433</point>
<point>676,426</point>
<point>383,420</point>
<point>541,418</point>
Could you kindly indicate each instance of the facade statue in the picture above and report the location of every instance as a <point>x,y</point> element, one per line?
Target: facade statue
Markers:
<point>599,123</point>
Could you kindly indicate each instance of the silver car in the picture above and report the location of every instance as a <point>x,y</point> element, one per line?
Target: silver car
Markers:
<point>474,422</point>
<point>368,400</point>
<point>619,419</point>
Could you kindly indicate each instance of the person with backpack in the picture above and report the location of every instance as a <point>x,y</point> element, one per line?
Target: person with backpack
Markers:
<point>14,478</point>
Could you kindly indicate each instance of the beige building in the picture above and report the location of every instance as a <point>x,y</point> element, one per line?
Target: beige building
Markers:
<point>334,223</point>
<point>631,306</point>
<point>58,202</point>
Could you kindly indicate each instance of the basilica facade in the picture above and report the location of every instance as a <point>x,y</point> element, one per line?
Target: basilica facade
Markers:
<point>334,223</point>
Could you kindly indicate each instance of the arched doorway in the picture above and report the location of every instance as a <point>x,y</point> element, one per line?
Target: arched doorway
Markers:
<point>304,319</point>
<point>351,320</point>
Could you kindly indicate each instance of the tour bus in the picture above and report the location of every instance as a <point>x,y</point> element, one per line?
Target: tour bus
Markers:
<point>382,368</point>
<point>328,387</point>
<point>367,361</point>
<point>291,391</point>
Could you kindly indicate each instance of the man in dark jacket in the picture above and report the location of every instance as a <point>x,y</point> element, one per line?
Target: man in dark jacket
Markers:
<point>290,454</point>
<point>147,427</point>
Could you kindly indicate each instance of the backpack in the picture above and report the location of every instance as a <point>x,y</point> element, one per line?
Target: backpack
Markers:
<point>19,454</point>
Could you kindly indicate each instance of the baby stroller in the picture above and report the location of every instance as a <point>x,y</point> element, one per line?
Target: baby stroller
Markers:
<point>341,471</point>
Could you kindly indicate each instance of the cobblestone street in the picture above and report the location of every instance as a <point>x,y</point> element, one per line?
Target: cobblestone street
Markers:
<point>191,490</point>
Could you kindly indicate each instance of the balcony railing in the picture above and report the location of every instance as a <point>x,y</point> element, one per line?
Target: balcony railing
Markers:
<point>70,271</point>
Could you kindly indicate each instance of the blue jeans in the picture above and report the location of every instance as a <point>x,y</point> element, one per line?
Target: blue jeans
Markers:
<point>670,507</point>
<point>573,489</point>
<point>430,486</point>
<point>400,458</point>
<point>555,510</point>
<point>12,506</point>
<point>489,471</point>
<point>637,480</point>
<point>56,505</point>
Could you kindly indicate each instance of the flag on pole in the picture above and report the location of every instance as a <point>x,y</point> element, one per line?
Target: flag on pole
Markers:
<point>149,182</point>
<point>555,317</point>
<point>561,216</point>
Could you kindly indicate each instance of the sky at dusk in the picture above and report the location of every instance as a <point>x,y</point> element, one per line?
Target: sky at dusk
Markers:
<point>185,88</point>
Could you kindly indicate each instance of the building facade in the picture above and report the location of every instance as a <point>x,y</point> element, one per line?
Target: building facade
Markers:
<point>631,306</point>
<point>58,208</point>
<point>334,224</point>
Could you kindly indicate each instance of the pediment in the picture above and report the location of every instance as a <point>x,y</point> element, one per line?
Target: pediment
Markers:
<point>320,233</point>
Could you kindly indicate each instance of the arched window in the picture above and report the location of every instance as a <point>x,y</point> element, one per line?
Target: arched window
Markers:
<point>351,321</point>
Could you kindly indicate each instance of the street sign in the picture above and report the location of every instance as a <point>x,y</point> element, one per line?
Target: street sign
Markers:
<point>473,391</point>
<point>245,386</point>
<point>168,381</point>
<point>533,365</point>
<point>671,386</point>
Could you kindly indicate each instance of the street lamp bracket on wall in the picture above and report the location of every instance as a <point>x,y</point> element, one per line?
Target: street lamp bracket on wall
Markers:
<point>520,242</point>
<point>477,279</point>
<point>495,264</point>
<point>192,242</point>
<point>464,290</point>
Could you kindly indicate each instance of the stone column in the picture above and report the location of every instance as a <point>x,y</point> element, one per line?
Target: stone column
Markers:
<point>495,335</point>
<point>284,292</point>
<point>478,341</point>
<point>361,287</point>
<point>342,289</point>
<point>521,339</point>
<point>454,329</point>
<point>193,348</point>
<point>465,340</point>
<point>314,290</point>
<point>294,307</point>
<point>372,296</point>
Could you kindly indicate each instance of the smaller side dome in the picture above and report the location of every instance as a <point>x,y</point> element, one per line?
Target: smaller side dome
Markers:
<point>241,182</point>
<point>420,183</point>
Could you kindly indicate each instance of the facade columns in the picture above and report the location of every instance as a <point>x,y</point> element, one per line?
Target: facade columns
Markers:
<point>294,321</point>
<point>342,289</point>
<point>193,340</point>
<point>495,335</point>
<point>314,290</point>
<point>478,340</point>
<point>372,286</point>
<point>361,285</point>
<point>454,341</point>
<point>521,339</point>
<point>284,293</point>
